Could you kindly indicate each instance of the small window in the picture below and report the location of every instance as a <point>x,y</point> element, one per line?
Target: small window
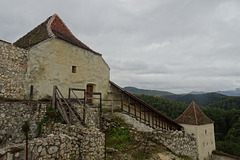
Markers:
<point>205,131</point>
<point>74,69</point>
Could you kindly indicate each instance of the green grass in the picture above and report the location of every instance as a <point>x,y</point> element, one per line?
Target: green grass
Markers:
<point>51,115</point>
<point>119,138</point>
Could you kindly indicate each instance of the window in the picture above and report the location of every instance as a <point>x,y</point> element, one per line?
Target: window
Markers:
<point>205,131</point>
<point>74,69</point>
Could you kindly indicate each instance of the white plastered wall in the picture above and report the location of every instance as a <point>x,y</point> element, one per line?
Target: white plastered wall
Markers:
<point>205,138</point>
<point>50,63</point>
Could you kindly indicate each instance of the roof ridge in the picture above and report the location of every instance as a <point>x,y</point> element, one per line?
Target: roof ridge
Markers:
<point>195,113</point>
<point>48,25</point>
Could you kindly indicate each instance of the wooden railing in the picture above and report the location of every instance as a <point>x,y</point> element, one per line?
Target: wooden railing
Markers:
<point>80,100</point>
<point>64,107</point>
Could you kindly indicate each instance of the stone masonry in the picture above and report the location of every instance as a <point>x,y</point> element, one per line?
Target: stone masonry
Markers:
<point>52,147</point>
<point>13,65</point>
<point>178,142</point>
<point>14,114</point>
<point>91,141</point>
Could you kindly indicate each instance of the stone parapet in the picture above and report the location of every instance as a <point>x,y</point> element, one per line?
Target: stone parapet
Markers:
<point>13,66</point>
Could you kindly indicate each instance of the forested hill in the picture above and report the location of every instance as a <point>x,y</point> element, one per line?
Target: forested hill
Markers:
<point>200,99</point>
<point>147,92</point>
<point>225,113</point>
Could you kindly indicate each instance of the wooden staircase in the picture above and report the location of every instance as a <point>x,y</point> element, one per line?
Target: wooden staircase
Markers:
<point>65,107</point>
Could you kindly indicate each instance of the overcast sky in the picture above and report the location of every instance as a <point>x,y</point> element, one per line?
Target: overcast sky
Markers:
<point>173,45</point>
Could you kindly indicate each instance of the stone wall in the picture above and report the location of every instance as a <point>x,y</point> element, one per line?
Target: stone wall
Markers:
<point>52,147</point>
<point>177,141</point>
<point>136,124</point>
<point>12,71</point>
<point>14,114</point>
<point>91,141</point>
<point>93,117</point>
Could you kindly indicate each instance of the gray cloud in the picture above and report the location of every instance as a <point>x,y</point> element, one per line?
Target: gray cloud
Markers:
<point>173,45</point>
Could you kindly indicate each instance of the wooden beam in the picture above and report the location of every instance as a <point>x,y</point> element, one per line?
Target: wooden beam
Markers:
<point>145,117</point>
<point>152,121</point>
<point>149,118</point>
<point>140,113</point>
<point>135,110</point>
<point>122,101</point>
<point>128,105</point>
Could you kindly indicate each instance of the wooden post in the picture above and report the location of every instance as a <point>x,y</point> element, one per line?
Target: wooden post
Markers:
<point>100,111</point>
<point>149,118</point>
<point>122,102</point>
<point>135,111</point>
<point>84,108</point>
<point>140,113</point>
<point>112,105</point>
<point>69,94</point>
<point>129,106</point>
<point>156,119</point>
<point>144,116</point>
<point>31,93</point>
<point>54,97</point>
<point>152,121</point>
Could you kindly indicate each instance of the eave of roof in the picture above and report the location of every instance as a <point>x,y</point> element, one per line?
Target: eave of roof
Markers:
<point>193,115</point>
<point>5,41</point>
<point>145,104</point>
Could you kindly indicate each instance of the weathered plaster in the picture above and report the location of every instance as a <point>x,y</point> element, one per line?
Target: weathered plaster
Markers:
<point>205,137</point>
<point>50,63</point>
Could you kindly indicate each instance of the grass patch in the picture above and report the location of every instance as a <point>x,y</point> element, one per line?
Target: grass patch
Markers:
<point>51,115</point>
<point>119,138</point>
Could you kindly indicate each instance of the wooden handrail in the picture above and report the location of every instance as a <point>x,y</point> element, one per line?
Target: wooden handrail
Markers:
<point>57,102</point>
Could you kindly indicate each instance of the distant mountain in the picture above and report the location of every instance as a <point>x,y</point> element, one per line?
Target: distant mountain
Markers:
<point>200,99</point>
<point>197,92</point>
<point>235,92</point>
<point>134,90</point>
<point>203,99</point>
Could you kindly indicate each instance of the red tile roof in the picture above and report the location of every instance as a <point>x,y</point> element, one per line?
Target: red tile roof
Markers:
<point>193,116</point>
<point>52,27</point>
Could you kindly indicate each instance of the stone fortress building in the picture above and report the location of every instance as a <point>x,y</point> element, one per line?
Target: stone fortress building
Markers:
<point>50,55</point>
